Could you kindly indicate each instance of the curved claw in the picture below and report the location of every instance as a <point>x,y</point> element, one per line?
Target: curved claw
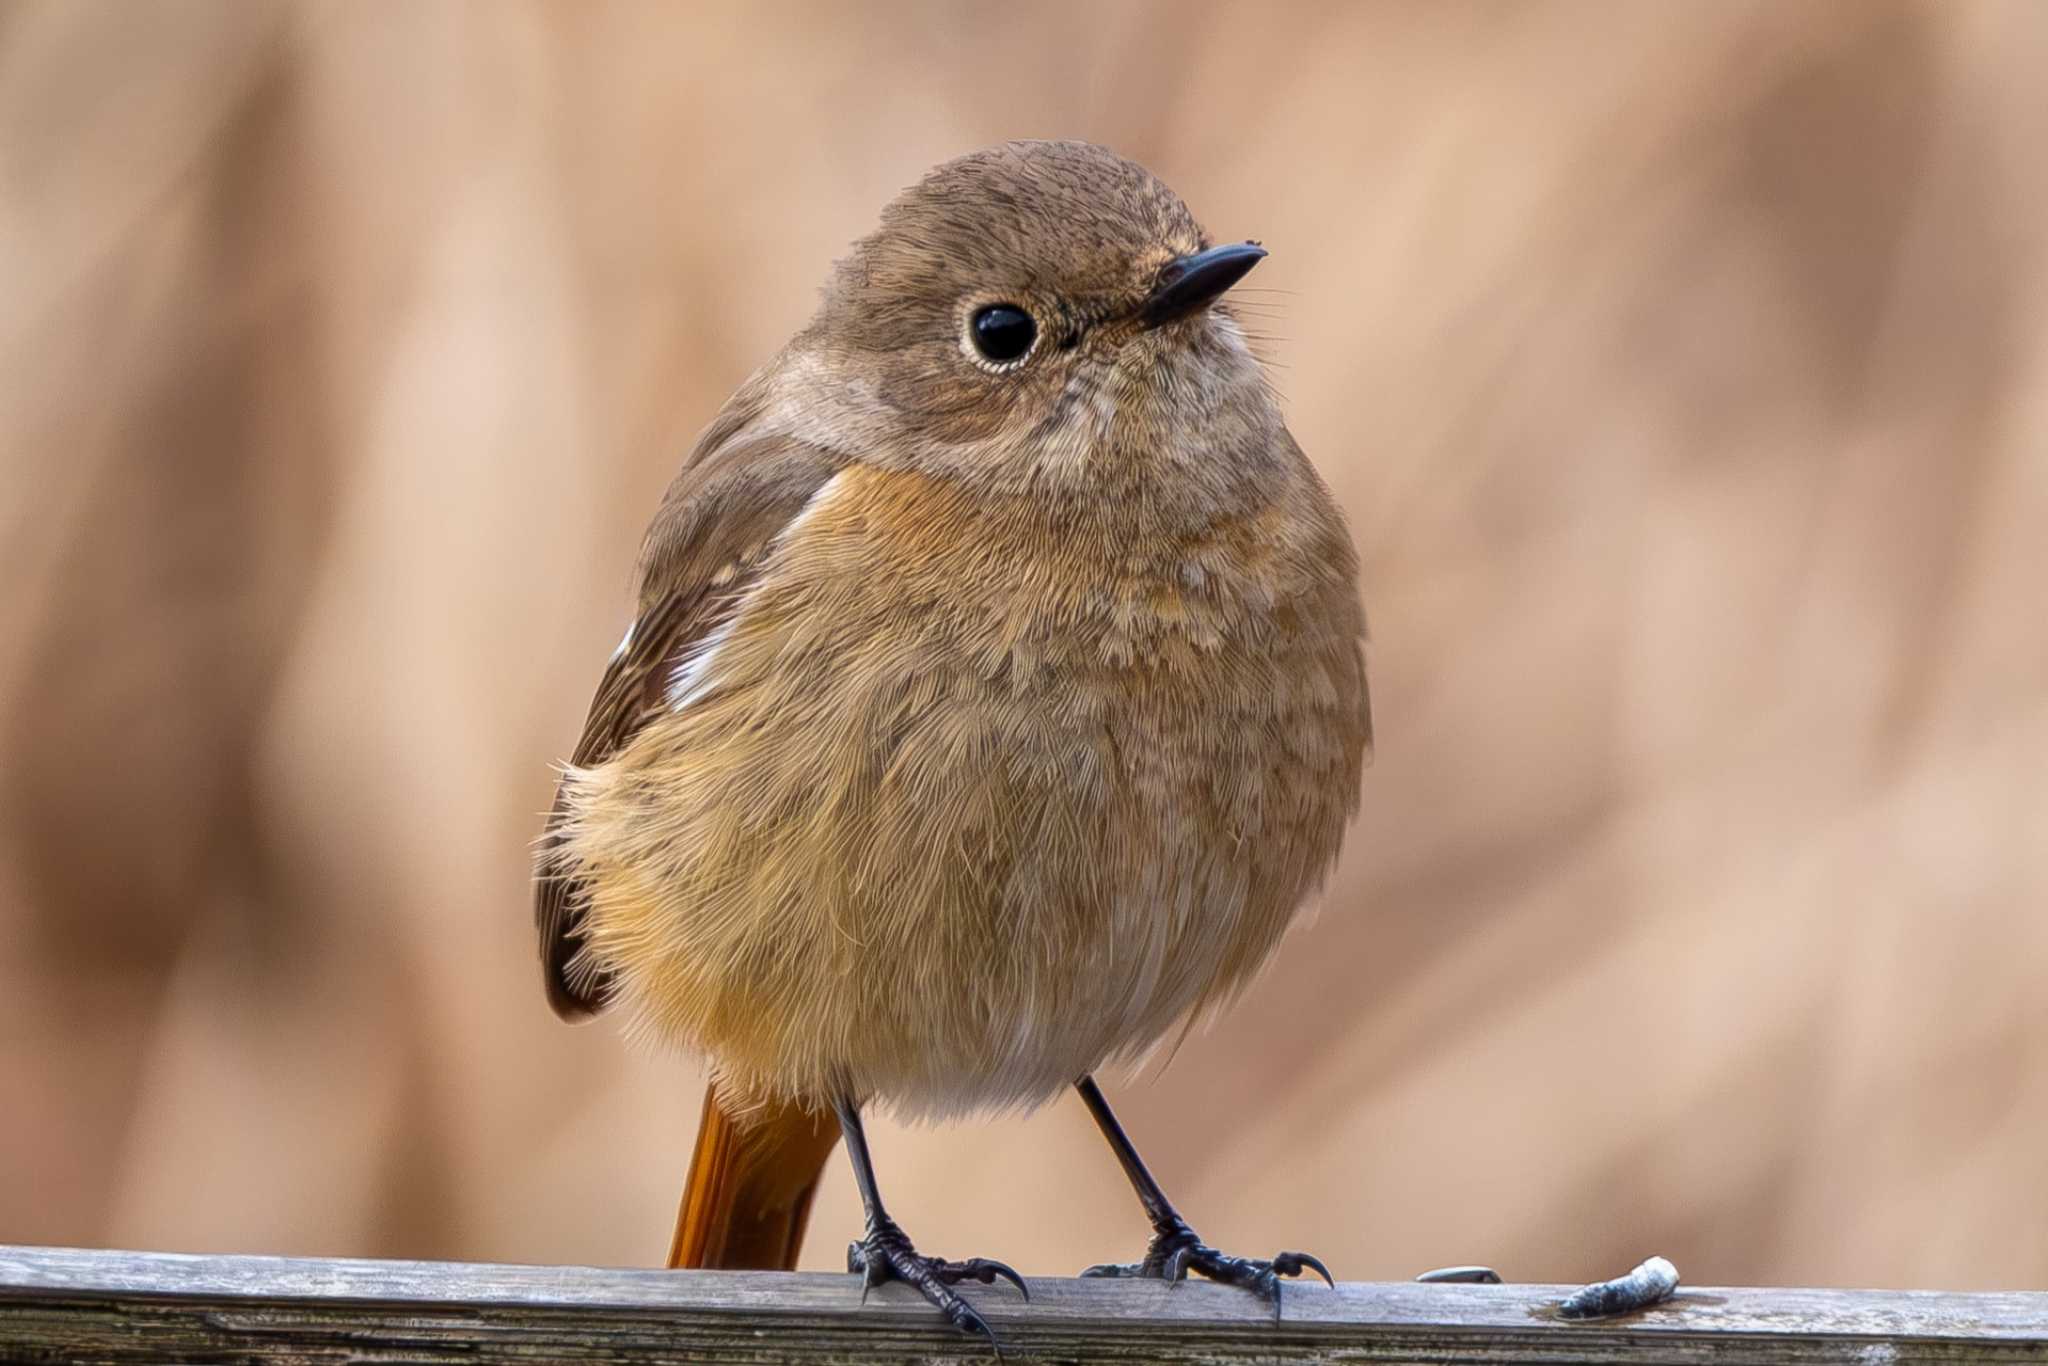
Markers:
<point>986,1270</point>
<point>967,1321</point>
<point>1175,1268</point>
<point>1292,1263</point>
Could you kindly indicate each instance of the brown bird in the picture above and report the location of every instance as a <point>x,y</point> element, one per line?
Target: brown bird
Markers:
<point>995,699</point>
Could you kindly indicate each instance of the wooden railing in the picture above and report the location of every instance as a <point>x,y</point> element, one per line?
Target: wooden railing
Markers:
<point>68,1305</point>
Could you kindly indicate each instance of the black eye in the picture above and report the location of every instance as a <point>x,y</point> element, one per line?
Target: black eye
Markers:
<point>1003,332</point>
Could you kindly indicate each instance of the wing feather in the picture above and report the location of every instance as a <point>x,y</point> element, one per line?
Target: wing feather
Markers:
<point>717,523</point>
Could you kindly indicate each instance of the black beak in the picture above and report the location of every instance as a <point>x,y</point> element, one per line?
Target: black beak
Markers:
<point>1193,282</point>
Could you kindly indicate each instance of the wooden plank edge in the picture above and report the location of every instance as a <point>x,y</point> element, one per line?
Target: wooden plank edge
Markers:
<point>306,1309</point>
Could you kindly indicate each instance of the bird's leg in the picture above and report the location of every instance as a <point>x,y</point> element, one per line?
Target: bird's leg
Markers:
<point>1175,1249</point>
<point>886,1253</point>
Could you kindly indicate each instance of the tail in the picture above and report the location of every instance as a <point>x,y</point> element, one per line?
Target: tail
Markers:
<point>750,1187</point>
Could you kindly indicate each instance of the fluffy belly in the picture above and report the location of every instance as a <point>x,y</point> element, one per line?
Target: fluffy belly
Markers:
<point>931,897</point>
<point>946,822</point>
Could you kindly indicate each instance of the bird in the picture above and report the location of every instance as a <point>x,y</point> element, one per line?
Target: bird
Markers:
<point>993,702</point>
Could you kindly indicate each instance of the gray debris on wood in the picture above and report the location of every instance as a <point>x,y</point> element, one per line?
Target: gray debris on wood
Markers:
<point>1460,1275</point>
<point>1651,1283</point>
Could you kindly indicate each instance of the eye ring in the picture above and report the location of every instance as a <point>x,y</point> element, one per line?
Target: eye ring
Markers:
<point>1002,334</point>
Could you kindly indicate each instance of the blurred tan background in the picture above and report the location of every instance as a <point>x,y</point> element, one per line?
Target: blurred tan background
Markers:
<point>1683,368</point>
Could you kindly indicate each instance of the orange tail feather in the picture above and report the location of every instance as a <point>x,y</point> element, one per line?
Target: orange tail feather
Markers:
<point>750,1188</point>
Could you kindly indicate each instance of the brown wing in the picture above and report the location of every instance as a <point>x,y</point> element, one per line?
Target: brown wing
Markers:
<point>716,523</point>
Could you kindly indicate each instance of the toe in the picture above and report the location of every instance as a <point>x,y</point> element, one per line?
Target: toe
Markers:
<point>986,1270</point>
<point>1294,1263</point>
<point>963,1316</point>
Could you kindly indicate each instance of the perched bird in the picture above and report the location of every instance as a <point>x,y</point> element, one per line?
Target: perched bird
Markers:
<point>996,697</point>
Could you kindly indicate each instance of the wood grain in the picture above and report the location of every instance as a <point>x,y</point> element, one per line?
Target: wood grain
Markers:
<point>73,1305</point>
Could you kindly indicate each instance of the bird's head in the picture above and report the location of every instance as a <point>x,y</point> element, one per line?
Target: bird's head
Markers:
<point>1039,314</point>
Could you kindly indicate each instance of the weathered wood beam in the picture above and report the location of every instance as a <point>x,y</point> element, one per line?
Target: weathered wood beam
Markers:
<point>63,1304</point>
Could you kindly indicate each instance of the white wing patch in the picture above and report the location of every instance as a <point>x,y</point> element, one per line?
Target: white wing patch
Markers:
<point>692,676</point>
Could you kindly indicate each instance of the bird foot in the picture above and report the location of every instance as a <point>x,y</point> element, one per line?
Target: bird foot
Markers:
<point>886,1254</point>
<point>1176,1251</point>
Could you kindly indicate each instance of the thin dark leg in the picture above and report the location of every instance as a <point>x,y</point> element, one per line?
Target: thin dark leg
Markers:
<point>1157,1207</point>
<point>1175,1249</point>
<point>856,1136</point>
<point>886,1254</point>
